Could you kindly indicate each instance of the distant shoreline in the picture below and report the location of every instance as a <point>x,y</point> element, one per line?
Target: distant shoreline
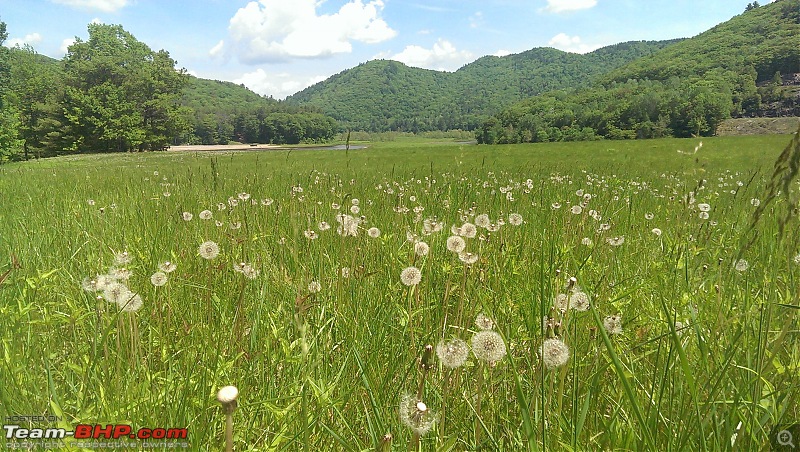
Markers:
<point>223,147</point>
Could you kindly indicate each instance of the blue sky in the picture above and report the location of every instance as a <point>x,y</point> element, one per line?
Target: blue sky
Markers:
<point>278,47</point>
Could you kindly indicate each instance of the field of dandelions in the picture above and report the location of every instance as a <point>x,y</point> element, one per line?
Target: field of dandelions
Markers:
<point>572,296</point>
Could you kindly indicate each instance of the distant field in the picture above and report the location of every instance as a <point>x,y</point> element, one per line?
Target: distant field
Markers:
<point>678,331</point>
<point>758,126</point>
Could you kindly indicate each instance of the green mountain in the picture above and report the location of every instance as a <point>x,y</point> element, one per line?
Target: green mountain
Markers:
<point>387,95</point>
<point>766,38</point>
<point>737,68</point>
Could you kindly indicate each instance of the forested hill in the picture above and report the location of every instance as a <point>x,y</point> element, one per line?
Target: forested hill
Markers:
<point>743,67</point>
<point>387,95</point>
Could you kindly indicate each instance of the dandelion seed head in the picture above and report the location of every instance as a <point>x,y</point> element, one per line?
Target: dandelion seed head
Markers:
<point>374,232</point>
<point>704,207</point>
<point>467,257</point>
<point>484,322</point>
<point>421,249</point>
<point>488,346</point>
<point>554,353</point>
<point>456,244</point>
<point>115,292</point>
<point>468,230</point>
<point>452,353</point>
<point>579,301</point>
<point>122,258</point>
<point>158,278</point>
<point>514,219</point>
<point>656,231</point>
<point>132,303</point>
<point>416,415</point>
<point>616,241</point>
<point>208,250</point>
<point>411,276</point>
<point>576,210</point>
<point>314,287</point>
<point>741,265</point>
<point>227,394</point>
<point>613,324</point>
<point>187,216</point>
<point>482,221</point>
<point>205,215</point>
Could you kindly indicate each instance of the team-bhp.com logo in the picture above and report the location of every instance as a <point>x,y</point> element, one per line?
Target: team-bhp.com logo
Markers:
<point>97,431</point>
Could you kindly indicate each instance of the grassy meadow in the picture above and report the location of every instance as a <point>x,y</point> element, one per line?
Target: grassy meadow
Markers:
<point>671,323</point>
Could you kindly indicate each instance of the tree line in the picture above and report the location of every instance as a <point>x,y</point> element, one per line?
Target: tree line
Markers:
<point>112,93</point>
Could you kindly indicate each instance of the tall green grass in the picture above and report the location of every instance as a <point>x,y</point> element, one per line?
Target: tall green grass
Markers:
<point>707,359</point>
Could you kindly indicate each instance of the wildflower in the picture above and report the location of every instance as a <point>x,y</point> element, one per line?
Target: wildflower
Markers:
<point>267,201</point>
<point>556,205</point>
<point>345,272</point>
<point>648,216</point>
<point>132,303</point>
<point>421,249</point>
<point>468,230</point>
<point>456,244</point>
<point>310,234</point>
<point>235,225</point>
<point>89,284</point>
<point>579,301</point>
<point>411,276</point>
<point>90,202</point>
<point>576,210</point>
<point>616,241</point>
<point>227,396</point>
<point>414,414</point>
<point>355,210</point>
<point>167,267</point>
<point>122,258</point>
<point>205,215</point>
<point>467,257</point>
<point>613,324</point>
<point>116,292</point>
<point>158,278</point>
<point>374,232</point>
<point>452,353</point>
<point>243,196</point>
<point>561,302</point>
<point>656,231</point>
<point>554,353</point>
<point>755,202</point>
<point>484,322</point>
<point>703,215</point>
<point>741,265</point>
<point>187,216</point>
<point>703,207</point>
<point>482,221</point>
<point>355,201</point>
<point>314,287</point>
<point>514,219</point>
<point>119,274</point>
<point>208,250</point>
<point>323,226</point>
<point>488,346</point>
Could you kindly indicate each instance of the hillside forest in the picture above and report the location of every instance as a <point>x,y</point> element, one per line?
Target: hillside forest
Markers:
<point>112,93</point>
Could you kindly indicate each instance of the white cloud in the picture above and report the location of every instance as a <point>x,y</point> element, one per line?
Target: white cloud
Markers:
<point>65,45</point>
<point>561,6</point>
<point>276,85</point>
<point>274,30</point>
<point>442,56</point>
<point>217,50</point>
<point>573,44</point>
<point>108,6</point>
<point>502,53</point>
<point>31,40</point>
